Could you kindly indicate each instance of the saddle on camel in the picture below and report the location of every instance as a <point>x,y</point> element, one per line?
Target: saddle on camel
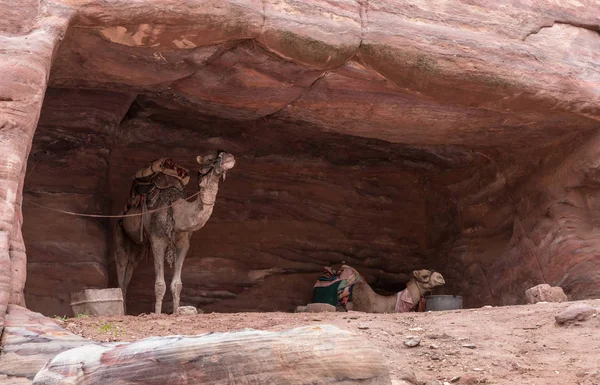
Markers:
<point>158,175</point>
<point>161,174</point>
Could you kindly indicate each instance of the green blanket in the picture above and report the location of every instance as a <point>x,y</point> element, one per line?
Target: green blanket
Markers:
<point>328,294</point>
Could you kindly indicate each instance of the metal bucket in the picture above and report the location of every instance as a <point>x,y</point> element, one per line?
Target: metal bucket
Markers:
<point>443,302</point>
<point>97,302</point>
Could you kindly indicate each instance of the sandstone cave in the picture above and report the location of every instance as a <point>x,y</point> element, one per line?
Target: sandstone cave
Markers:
<point>390,151</point>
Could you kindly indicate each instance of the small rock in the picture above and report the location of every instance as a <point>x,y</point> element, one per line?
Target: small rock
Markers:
<point>412,342</point>
<point>362,327</point>
<point>487,306</point>
<point>186,310</point>
<point>455,379</point>
<point>416,329</point>
<point>469,346</point>
<point>434,346</point>
<point>320,308</point>
<point>577,312</point>
<point>545,293</point>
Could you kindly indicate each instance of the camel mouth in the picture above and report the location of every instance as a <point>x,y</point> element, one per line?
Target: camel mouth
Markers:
<point>227,162</point>
<point>438,279</point>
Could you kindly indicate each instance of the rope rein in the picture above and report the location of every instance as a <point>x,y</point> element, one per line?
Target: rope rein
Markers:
<point>118,216</point>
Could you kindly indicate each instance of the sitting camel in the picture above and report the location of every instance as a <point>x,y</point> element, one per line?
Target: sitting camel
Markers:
<point>167,232</point>
<point>422,283</point>
<point>346,288</point>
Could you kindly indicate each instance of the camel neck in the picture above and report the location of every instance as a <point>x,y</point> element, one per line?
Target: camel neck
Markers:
<point>196,213</point>
<point>207,195</point>
<point>415,291</point>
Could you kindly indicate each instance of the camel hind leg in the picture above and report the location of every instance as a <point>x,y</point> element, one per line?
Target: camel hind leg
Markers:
<point>127,255</point>
<point>125,267</point>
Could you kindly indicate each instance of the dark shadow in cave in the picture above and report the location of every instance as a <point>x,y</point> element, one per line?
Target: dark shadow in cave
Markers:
<point>300,198</point>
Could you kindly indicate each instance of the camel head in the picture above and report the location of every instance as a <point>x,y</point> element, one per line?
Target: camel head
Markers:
<point>428,279</point>
<point>216,164</point>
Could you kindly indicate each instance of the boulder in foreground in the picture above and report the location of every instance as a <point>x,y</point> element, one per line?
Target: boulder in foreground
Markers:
<point>321,354</point>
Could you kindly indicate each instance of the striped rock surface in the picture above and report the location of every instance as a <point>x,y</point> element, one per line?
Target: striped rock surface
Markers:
<point>320,354</point>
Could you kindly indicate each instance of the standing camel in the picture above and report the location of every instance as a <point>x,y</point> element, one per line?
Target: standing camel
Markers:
<point>167,232</point>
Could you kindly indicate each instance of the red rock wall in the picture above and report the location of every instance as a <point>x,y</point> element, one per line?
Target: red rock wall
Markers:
<point>67,170</point>
<point>555,232</point>
<point>28,38</point>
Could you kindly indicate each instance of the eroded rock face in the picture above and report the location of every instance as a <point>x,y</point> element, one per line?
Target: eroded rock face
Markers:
<point>67,165</point>
<point>391,135</point>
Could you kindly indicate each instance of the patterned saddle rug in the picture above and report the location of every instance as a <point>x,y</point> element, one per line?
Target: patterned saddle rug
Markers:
<point>144,187</point>
<point>335,287</point>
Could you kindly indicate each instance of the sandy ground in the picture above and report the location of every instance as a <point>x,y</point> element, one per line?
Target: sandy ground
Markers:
<point>499,345</point>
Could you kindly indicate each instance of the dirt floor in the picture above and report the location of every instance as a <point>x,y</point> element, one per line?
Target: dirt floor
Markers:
<point>491,345</point>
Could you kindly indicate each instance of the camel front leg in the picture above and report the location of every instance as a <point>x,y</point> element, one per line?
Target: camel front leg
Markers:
<point>158,250</point>
<point>183,245</point>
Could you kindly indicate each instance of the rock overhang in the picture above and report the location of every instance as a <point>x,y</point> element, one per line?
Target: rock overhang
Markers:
<point>374,69</point>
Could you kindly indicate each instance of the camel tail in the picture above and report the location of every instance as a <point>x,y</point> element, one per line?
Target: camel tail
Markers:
<point>126,255</point>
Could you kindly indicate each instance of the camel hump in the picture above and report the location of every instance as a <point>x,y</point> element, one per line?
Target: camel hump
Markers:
<point>165,166</point>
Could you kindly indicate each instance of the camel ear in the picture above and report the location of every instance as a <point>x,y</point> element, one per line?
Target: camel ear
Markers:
<point>416,274</point>
<point>199,159</point>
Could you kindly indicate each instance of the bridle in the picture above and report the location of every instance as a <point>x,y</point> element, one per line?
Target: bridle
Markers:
<point>419,281</point>
<point>216,164</point>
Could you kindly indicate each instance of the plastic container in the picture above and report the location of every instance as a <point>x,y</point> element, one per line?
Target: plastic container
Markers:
<point>97,302</point>
<point>443,302</point>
